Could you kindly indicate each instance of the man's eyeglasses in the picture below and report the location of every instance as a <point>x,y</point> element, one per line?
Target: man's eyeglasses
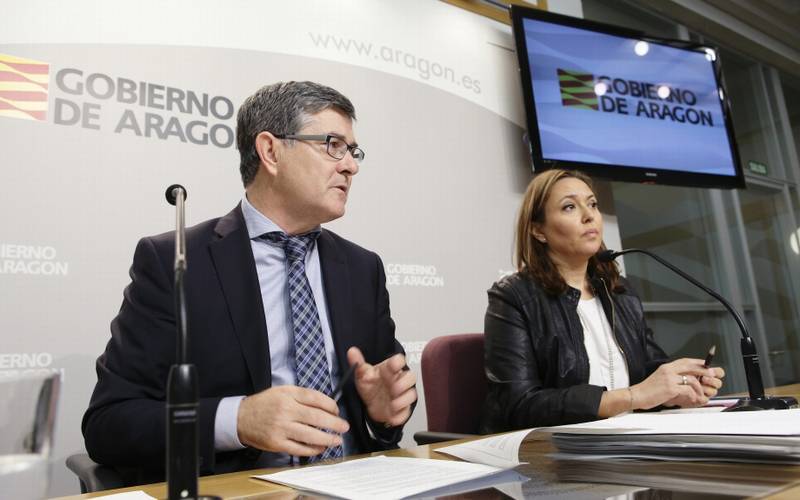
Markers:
<point>335,146</point>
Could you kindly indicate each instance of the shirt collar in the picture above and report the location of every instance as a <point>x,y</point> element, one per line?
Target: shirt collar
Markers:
<point>257,223</point>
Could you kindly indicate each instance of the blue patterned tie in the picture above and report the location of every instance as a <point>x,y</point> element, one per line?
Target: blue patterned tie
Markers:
<point>311,364</point>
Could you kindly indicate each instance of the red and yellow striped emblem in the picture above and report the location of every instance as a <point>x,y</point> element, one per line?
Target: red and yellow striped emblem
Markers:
<point>23,88</point>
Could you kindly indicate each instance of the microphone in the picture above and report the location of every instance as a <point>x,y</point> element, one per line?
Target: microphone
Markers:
<point>757,400</point>
<point>182,394</point>
<point>172,194</point>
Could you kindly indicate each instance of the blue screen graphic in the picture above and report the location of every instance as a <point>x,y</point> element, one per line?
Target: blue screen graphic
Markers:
<point>661,109</point>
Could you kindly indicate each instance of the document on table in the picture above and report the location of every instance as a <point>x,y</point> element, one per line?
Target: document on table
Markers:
<point>380,477</point>
<point>499,451</point>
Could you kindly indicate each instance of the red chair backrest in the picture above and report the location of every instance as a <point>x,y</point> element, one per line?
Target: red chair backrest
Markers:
<point>455,382</point>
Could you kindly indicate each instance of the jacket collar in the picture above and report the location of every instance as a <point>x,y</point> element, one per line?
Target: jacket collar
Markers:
<point>601,290</point>
<point>233,260</point>
<point>336,281</point>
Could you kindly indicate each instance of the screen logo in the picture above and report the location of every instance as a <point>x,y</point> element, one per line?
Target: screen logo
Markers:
<point>23,88</point>
<point>577,89</point>
<point>630,97</point>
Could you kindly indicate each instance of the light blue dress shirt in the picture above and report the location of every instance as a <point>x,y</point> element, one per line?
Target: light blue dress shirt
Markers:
<point>272,277</point>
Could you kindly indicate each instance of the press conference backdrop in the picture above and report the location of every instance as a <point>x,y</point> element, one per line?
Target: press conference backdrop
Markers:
<point>105,103</point>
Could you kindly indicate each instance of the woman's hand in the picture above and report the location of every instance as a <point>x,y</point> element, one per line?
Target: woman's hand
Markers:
<point>710,385</point>
<point>683,382</point>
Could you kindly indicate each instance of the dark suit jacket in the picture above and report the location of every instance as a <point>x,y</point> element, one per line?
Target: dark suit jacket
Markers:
<point>228,343</point>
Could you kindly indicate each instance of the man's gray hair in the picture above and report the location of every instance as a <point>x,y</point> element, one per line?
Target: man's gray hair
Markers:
<point>281,108</point>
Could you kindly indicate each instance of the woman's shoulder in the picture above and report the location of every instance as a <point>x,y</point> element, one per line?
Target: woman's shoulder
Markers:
<point>519,285</point>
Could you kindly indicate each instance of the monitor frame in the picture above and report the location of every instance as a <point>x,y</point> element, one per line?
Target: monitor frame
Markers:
<point>626,173</point>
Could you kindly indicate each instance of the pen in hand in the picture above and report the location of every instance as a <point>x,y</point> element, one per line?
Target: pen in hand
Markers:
<point>337,393</point>
<point>709,358</point>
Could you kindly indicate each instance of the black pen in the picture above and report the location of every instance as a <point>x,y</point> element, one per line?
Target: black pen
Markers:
<point>337,393</point>
<point>709,358</point>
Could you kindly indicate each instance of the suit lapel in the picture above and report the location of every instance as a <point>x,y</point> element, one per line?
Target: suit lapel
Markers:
<point>336,282</point>
<point>236,271</point>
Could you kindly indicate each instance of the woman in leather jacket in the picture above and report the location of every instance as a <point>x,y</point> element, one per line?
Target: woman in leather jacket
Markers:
<point>566,338</point>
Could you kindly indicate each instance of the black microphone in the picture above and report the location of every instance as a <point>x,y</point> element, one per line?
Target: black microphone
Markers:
<point>172,194</point>
<point>182,394</point>
<point>757,400</point>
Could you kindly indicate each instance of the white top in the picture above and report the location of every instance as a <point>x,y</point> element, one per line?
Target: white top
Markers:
<point>607,367</point>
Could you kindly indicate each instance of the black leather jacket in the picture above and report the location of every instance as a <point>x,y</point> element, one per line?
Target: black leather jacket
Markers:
<point>536,364</point>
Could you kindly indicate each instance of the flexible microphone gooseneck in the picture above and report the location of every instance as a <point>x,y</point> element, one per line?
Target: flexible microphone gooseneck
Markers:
<point>182,443</point>
<point>755,385</point>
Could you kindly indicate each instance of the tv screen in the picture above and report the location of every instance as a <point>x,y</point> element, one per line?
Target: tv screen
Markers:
<point>623,106</point>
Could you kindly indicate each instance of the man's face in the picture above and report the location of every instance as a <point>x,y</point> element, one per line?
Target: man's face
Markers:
<point>313,184</point>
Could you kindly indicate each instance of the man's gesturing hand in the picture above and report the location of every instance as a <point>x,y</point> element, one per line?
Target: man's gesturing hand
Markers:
<point>386,389</point>
<point>288,419</point>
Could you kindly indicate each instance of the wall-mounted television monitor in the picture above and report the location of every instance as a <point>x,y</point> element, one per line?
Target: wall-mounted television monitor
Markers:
<point>620,105</point>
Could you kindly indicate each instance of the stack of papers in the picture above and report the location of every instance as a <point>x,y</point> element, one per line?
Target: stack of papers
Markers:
<point>760,436</point>
<point>660,450</point>
<point>712,479</point>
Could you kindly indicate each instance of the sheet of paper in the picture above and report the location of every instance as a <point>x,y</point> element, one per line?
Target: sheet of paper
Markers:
<point>749,423</point>
<point>504,479</point>
<point>499,451</point>
<point>380,477</point>
<point>724,402</point>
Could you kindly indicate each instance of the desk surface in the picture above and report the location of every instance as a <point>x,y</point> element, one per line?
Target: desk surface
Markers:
<point>534,451</point>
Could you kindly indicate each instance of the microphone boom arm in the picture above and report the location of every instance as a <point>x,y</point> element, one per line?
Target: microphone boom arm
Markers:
<point>755,384</point>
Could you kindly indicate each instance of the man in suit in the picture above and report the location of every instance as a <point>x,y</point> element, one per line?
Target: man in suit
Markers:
<point>278,309</point>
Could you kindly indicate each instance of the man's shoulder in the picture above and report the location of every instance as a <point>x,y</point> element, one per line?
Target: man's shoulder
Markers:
<point>345,246</point>
<point>202,232</point>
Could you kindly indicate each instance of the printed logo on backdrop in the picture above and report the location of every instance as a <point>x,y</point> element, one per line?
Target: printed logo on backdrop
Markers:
<point>413,351</point>
<point>31,259</point>
<point>27,363</point>
<point>153,110</point>
<point>23,88</point>
<point>424,275</point>
<point>413,64</point>
<point>608,94</point>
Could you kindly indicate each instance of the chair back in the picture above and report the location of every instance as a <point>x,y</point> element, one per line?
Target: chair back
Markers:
<point>455,382</point>
<point>27,422</point>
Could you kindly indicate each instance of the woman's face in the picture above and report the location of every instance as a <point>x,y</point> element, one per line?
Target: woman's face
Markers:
<point>573,227</point>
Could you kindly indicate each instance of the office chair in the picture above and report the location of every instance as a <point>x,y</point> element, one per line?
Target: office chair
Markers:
<point>93,476</point>
<point>27,422</point>
<point>455,387</point>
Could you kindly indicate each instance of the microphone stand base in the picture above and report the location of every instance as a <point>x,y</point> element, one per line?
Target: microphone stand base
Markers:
<point>765,403</point>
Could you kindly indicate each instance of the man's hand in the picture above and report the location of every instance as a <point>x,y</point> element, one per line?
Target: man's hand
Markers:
<point>288,419</point>
<point>386,389</point>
